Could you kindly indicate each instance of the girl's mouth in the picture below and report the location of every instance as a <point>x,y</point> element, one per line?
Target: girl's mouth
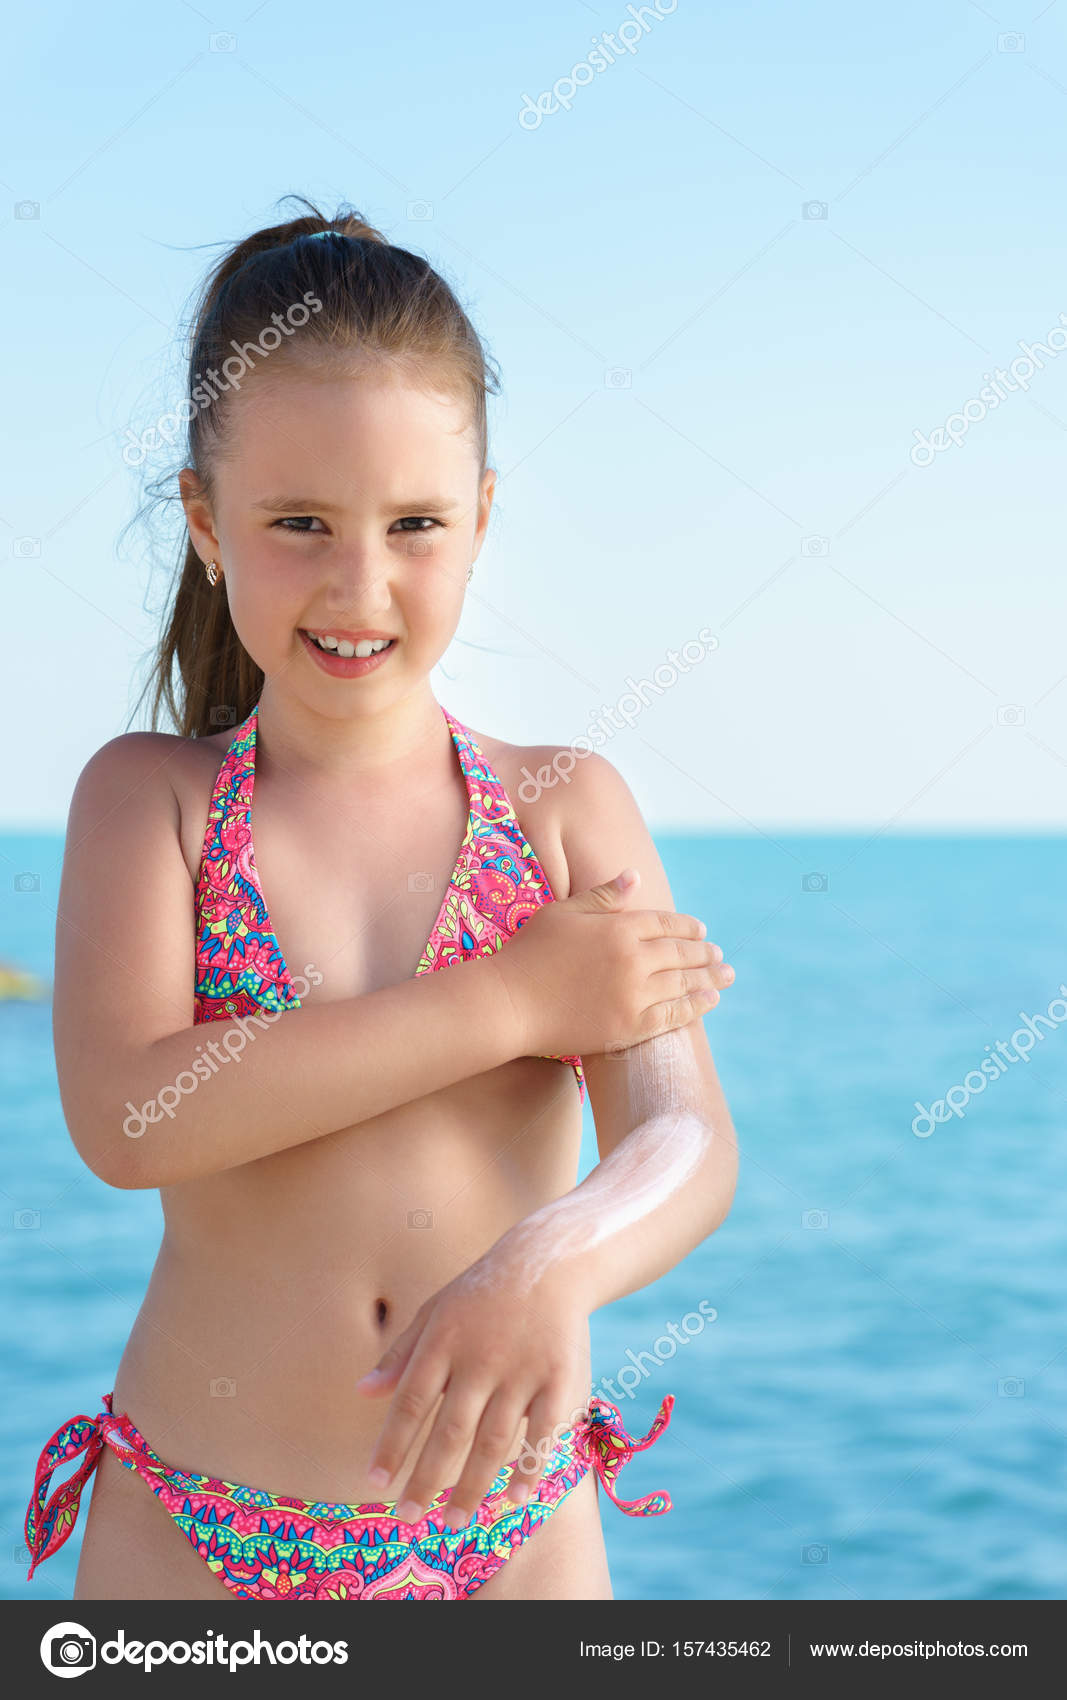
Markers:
<point>347,665</point>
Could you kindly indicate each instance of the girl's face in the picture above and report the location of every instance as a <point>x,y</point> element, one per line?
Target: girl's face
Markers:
<point>349,506</point>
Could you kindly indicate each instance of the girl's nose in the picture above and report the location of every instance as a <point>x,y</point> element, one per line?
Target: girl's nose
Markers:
<point>357,576</point>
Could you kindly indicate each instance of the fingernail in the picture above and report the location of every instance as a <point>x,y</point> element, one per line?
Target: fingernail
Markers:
<point>716,951</point>
<point>703,930</point>
<point>378,1477</point>
<point>409,1511</point>
<point>371,1375</point>
<point>458,1516</point>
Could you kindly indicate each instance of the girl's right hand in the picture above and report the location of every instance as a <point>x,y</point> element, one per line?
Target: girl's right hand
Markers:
<point>588,973</point>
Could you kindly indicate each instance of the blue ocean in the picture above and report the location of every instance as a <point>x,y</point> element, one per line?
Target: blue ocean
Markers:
<point>869,1356</point>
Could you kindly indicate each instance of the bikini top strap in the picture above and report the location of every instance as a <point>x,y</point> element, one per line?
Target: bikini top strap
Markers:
<point>493,811</point>
<point>230,788</point>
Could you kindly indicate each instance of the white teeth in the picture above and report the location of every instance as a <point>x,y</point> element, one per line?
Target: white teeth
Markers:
<point>341,646</point>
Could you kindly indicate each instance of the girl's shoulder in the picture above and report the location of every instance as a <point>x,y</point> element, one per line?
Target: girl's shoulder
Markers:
<point>137,754</point>
<point>133,759</point>
<point>571,802</point>
<point>161,773</point>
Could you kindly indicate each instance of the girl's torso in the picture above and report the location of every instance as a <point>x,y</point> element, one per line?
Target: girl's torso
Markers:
<point>281,1281</point>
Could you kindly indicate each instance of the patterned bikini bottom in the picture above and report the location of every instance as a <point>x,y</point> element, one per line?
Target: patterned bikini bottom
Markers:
<point>268,1546</point>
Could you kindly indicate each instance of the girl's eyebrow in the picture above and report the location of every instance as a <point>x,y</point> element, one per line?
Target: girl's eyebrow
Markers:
<point>312,505</point>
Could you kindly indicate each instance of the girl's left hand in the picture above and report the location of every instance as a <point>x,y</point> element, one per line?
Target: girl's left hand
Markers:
<point>499,1347</point>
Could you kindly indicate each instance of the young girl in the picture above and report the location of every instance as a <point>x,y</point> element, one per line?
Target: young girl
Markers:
<point>371,1300</point>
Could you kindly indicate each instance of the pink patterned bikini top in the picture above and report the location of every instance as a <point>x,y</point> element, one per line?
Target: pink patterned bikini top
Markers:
<point>496,884</point>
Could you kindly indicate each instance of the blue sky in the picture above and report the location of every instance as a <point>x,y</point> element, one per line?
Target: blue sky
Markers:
<point>727,282</point>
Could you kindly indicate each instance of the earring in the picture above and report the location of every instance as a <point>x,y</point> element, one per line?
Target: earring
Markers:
<point>470,572</point>
<point>213,573</point>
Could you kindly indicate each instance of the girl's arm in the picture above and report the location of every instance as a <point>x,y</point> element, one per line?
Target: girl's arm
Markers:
<point>151,1099</point>
<point>668,1147</point>
<point>501,1340</point>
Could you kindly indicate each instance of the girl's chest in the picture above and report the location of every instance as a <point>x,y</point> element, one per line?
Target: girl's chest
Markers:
<point>360,898</point>
<point>365,895</point>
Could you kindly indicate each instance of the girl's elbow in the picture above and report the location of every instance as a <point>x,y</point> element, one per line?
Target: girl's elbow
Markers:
<point>112,1156</point>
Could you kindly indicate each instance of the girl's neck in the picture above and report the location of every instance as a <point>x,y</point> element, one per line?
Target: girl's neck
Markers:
<point>357,748</point>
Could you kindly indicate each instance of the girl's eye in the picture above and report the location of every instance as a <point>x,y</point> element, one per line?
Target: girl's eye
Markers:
<point>302,522</point>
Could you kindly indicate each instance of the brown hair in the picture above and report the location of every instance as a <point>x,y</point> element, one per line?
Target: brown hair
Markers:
<point>378,302</point>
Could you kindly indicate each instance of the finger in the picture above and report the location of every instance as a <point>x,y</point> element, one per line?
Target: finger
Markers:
<point>418,1390</point>
<point>384,1377</point>
<point>528,1467</point>
<point>677,1012</point>
<point>684,953</point>
<point>391,1364</point>
<point>543,1431</point>
<point>667,923</point>
<point>447,1446</point>
<point>671,984</point>
<point>713,972</point>
<point>493,1447</point>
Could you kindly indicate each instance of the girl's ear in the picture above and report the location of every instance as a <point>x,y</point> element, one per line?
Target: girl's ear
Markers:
<point>198,516</point>
<point>485,503</point>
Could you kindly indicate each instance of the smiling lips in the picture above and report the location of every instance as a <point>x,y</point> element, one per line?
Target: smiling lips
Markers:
<point>347,644</point>
<point>347,655</point>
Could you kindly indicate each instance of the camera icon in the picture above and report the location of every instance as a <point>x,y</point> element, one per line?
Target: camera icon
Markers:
<point>1011,42</point>
<point>223,42</point>
<point>616,1051</point>
<point>27,882</point>
<point>815,209</point>
<point>223,714</point>
<point>815,546</point>
<point>223,1387</point>
<point>420,882</point>
<point>816,1218</point>
<point>1011,714</point>
<point>420,209</point>
<point>417,545</point>
<point>816,1553</point>
<point>420,1218</point>
<point>815,882</point>
<point>618,378</point>
<point>27,209</point>
<point>26,547</point>
<point>1011,1387</point>
<point>27,1218</point>
<point>69,1648</point>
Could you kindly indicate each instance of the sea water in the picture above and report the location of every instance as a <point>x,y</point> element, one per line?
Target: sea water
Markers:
<point>867,1357</point>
